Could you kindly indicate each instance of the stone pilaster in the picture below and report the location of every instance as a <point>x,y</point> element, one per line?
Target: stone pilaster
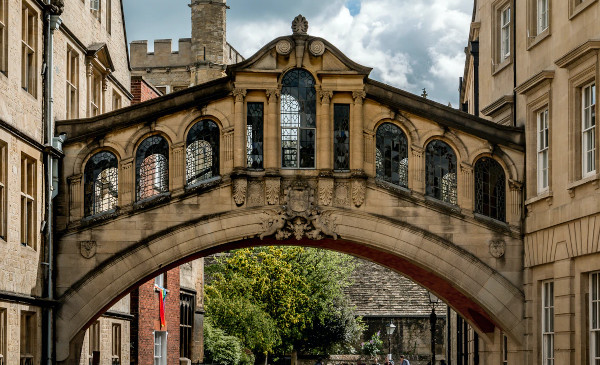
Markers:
<point>75,197</point>
<point>466,182</point>
<point>177,173</point>
<point>356,131</point>
<point>127,182</point>
<point>239,139</point>
<point>271,131</point>
<point>324,128</point>
<point>416,170</point>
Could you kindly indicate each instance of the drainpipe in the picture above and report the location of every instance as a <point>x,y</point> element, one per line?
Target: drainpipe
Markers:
<point>52,152</point>
<point>474,50</point>
<point>514,41</point>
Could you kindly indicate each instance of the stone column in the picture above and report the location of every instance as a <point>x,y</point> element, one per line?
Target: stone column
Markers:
<point>271,132</point>
<point>514,202</point>
<point>127,182</point>
<point>102,105</point>
<point>75,198</point>
<point>416,169</point>
<point>356,132</point>
<point>324,135</point>
<point>178,178</point>
<point>239,139</point>
<point>89,72</point>
<point>466,187</point>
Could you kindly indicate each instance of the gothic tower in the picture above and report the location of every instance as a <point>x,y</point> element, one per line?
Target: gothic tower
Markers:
<point>208,39</point>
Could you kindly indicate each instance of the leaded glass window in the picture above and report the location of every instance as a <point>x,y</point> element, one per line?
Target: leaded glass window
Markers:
<point>341,136</point>
<point>391,155</point>
<point>254,135</point>
<point>101,183</point>
<point>490,189</point>
<point>202,152</point>
<point>152,167</point>
<point>440,171</point>
<point>298,119</point>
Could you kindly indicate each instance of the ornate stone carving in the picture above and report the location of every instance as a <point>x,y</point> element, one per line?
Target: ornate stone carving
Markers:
<point>255,193</point>
<point>342,192</point>
<point>358,96</point>
<point>325,96</point>
<point>272,190</point>
<point>298,217</point>
<point>300,25</point>
<point>325,191</point>
<point>316,48</point>
<point>87,249</point>
<point>239,95</point>
<point>497,248</point>
<point>284,47</point>
<point>272,95</point>
<point>239,187</point>
<point>359,190</point>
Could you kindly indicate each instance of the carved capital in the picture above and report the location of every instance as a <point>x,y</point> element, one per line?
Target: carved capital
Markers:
<point>325,96</point>
<point>104,83</point>
<point>272,95</point>
<point>89,69</point>
<point>359,96</point>
<point>239,94</point>
<point>515,185</point>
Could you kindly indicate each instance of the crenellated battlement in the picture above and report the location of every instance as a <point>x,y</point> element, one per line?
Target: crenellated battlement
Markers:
<point>163,56</point>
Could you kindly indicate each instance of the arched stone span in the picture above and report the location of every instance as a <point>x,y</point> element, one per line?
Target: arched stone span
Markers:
<point>475,290</point>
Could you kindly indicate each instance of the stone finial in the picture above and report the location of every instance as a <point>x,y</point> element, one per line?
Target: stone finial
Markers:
<point>300,25</point>
<point>424,94</point>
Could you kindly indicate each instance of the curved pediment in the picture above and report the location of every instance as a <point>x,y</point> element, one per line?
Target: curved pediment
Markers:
<point>298,50</point>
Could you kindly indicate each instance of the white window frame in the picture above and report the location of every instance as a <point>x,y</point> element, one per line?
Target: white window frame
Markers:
<point>594,316</point>
<point>588,130</point>
<point>72,76</point>
<point>547,322</point>
<point>116,344</point>
<point>160,347</point>
<point>505,22</point>
<point>28,201</point>
<point>543,143</point>
<point>543,19</point>
<point>160,280</point>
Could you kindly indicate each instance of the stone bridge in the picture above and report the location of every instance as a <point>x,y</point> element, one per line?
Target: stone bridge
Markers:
<point>294,146</point>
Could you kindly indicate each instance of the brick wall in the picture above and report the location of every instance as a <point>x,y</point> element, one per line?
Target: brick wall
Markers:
<point>145,305</point>
<point>142,90</point>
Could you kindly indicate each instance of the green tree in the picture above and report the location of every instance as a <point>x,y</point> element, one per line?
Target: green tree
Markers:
<point>279,299</point>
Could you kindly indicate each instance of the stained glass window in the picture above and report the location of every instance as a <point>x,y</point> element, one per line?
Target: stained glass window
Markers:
<point>101,183</point>
<point>490,189</point>
<point>152,167</point>
<point>440,171</point>
<point>341,136</point>
<point>391,154</point>
<point>254,135</point>
<point>298,119</point>
<point>202,152</point>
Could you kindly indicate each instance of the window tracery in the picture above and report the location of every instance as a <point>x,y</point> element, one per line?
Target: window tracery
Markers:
<point>391,155</point>
<point>202,152</point>
<point>440,172</point>
<point>490,186</point>
<point>101,183</point>
<point>152,167</point>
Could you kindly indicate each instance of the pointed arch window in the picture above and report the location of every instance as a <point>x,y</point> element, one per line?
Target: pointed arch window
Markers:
<point>298,119</point>
<point>152,167</point>
<point>202,152</point>
<point>440,171</point>
<point>391,155</point>
<point>101,183</point>
<point>490,186</point>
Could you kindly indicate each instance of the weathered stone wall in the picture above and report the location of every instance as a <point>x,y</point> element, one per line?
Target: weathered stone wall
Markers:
<point>106,342</point>
<point>209,30</point>
<point>142,90</point>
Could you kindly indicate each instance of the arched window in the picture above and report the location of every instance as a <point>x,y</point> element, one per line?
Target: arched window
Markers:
<point>391,155</point>
<point>202,152</point>
<point>490,185</point>
<point>440,171</point>
<point>101,183</point>
<point>298,119</point>
<point>152,167</point>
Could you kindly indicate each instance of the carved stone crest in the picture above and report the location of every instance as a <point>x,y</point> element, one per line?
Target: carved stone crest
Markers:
<point>342,192</point>
<point>239,187</point>
<point>283,47</point>
<point>298,217</point>
<point>300,25</point>
<point>87,249</point>
<point>359,188</point>
<point>497,248</point>
<point>316,48</point>
<point>255,193</point>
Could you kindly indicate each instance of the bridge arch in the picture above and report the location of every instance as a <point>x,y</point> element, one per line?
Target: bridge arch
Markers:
<point>482,295</point>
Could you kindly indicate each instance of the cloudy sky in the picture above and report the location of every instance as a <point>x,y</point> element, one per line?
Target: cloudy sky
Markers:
<point>411,44</point>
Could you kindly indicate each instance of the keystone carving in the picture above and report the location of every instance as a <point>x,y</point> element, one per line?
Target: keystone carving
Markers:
<point>239,187</point>
<point>359,189</point>
<point>87,249</point>
<point>497,248</point>
<point>317,48</point>
<point>300,25</point>
<point>298,217</point>
<point>284,47</point>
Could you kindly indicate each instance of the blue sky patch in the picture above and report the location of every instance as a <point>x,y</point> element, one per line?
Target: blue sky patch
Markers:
<point>353,6</point>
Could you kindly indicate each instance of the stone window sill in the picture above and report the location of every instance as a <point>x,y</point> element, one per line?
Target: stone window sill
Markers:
<point>578,9</point>
<point>537,39</point>
<point>571,187</point>
<point>547,195</point>
<point>497,68</point>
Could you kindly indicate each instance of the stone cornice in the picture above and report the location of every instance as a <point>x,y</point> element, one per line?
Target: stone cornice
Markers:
<point>578,54</point>
<point>535,81</point>
<point>497,105</point>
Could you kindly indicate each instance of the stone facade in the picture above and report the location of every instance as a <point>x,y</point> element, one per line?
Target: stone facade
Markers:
<point>553,59</point>
<point>199,59</point>
<point>23,273</point>
<point>443,246</point>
